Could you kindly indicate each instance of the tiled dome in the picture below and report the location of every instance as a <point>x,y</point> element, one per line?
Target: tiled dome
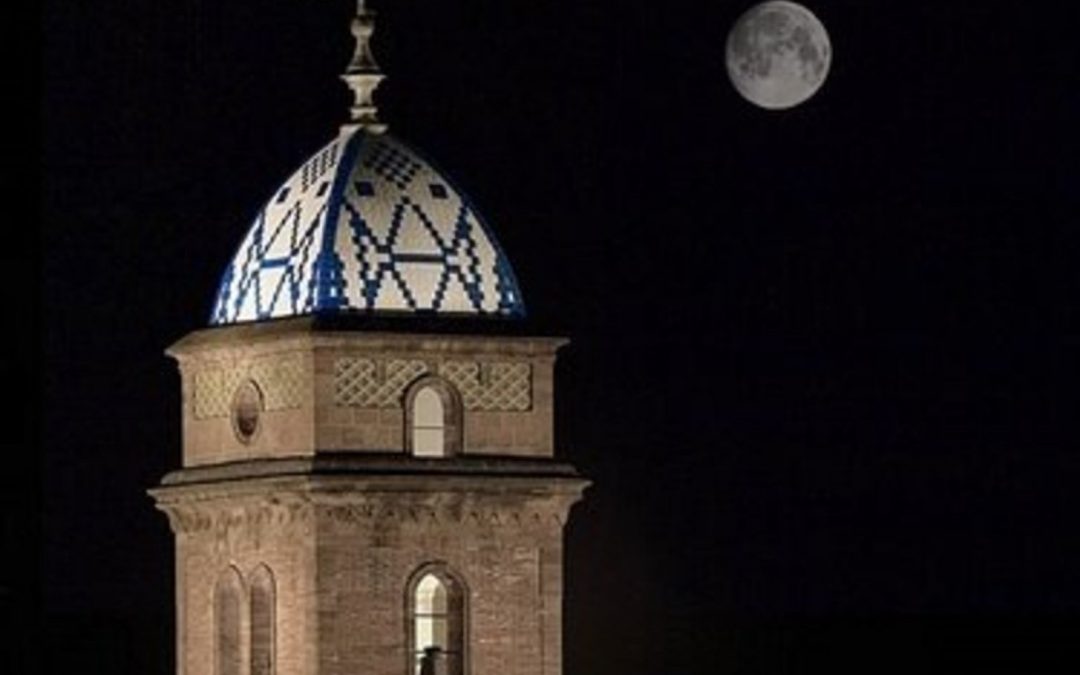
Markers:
<point>367,225</point>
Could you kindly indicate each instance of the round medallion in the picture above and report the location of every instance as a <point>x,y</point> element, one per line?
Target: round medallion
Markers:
<point>247,405</point>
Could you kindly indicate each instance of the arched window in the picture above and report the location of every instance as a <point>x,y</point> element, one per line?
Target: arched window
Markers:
<point>437,616</point>
<point>428,424</point>
<point>262,621</point>
<point>228,599</point>
<point>433,418</point>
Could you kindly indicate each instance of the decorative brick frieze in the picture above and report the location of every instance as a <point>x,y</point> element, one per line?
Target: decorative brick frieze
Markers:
<point>504,386</point>
<point>196,512</point>
<point>281,379</point>
<point>367,383</point>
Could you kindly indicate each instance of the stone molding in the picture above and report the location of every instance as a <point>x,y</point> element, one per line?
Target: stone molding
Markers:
<point>186,517</point>
<point>486,501</point>
<point>305,334</point>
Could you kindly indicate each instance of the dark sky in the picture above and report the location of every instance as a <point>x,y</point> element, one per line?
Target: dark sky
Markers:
<point>822,363</point>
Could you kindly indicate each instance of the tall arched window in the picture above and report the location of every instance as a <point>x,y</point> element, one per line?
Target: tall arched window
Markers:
<point>262,621</point>
<point>433,418</point>
<point>228,599</point>
<point>437,615</point>
<point>428,424</point>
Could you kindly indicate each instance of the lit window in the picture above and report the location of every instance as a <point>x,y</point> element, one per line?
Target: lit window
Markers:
<point>428,424</point>
<point>437,626</point>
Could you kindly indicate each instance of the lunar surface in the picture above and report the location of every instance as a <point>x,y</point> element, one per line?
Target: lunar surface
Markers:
<point>778,54</point>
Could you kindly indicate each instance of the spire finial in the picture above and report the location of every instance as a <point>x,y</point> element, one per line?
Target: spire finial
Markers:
<point>363,74</point>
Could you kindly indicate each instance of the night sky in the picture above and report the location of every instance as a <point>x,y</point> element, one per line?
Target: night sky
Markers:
<point>822,363</point>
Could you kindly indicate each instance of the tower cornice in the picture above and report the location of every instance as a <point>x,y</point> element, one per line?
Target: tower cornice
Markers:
<point>481,492</point>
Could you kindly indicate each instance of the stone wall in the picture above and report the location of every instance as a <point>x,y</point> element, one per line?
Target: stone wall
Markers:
<point>243,537</point>
<point>365,597</point>
<point>360,393</point>
<point>210,383</point>
<point>342,560</point>
<point>345,392</point>
<point>295,462</point>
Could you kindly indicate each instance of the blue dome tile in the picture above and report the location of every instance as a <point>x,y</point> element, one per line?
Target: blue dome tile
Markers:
<point>367,225</point>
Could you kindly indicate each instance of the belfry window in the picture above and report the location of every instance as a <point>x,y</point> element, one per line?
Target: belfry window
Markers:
<point>262,622</point>
<point>433,418</point>
<point>228,594</point>
<point>437,606</point>
<point>428,424</point>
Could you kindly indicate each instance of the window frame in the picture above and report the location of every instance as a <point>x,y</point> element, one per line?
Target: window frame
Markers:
<point>453,427</point>
<point>230,587</point>
<point>263,580</point>
<point>457,593</point>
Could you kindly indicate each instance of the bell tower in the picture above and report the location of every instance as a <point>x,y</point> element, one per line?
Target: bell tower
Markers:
<point>369,482</point>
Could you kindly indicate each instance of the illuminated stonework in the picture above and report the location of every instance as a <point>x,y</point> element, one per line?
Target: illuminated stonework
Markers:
<point>498,386</point>
<point>281,381</point>
<point>366,383</point>
<point>491,386</point>
<point>343,505</point>
<point>361,500</point>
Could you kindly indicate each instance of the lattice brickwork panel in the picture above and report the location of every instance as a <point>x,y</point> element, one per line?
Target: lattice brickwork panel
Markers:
<point>491,386</point>
<point>487,387</point>
<point>358,382</point>
<point>213,391</point>
<point>280,380</point>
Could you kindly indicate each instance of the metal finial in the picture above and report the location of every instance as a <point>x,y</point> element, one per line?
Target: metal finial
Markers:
<point>363,74</point>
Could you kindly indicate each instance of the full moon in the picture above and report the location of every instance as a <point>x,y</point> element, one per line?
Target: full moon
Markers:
<point>778,54</point>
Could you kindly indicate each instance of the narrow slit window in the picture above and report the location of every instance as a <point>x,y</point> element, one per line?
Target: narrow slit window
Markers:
<point>262,622</point>
<point>227,599</point>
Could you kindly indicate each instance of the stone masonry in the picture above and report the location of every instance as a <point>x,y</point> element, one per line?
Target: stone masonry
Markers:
<point>322,509</point>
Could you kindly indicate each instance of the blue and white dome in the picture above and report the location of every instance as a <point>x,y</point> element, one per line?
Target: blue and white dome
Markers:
<point>367,225</point>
